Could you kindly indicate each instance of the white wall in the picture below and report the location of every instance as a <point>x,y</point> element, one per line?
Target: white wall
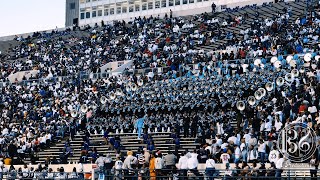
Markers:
<point>115,66</point>
<point>19,75</point>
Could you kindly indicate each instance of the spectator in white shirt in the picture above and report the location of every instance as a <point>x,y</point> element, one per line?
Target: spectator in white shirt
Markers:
<point>25,171</point>
<point>252,154</point>
<point>244,151</point>
<point>225,156</point>
<point>183,164</point>
<point>274,155</point>
<point>261,150</point>
<point>210,167</point>
<point>247,136</point>
<point>193,163</point>
<point>279,166</point>
<point>237,153</point>
<point>232,138</point>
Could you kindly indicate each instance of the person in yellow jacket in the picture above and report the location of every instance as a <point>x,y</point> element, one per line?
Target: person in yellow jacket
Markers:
<point>7,161</point>
<point>152,167</point>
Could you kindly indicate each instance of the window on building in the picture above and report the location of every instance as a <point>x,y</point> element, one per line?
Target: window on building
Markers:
<point>111,11</point>
<point>131,8</point>
<point>94,14</point>
<point>185,1</point>
<point>199,0</point>
<point>82,1</point>
<point>144,6</point>
<point>164,3</point>
<point>191,1</point>
<point>87,15</point>
<point>177,2</point>
<point>82,16</point>
<point>157,4</point>
<point>150,5</point>
<point>118,10</point>
<point>171,3</point>
<point>124,9</point>
<point>106,12</point>
<point>87,1</point>
<point>137,7</point>
<point>72,6</point>
<point>99,12</point>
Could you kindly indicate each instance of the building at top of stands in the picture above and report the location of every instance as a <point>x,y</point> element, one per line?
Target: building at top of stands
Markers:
<point>94,11</point>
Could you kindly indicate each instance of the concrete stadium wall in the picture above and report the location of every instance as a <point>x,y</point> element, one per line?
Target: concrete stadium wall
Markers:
<point>19,75</point>
<point>179,10</point>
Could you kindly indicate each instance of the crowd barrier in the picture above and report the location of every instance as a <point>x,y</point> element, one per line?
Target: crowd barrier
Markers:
<point>220,172</point>
<point>290,170</point>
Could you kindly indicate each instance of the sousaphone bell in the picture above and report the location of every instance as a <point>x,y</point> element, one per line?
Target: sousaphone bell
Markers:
<point>241,105</point>
<point>84,108</point>
<point>280,81</point>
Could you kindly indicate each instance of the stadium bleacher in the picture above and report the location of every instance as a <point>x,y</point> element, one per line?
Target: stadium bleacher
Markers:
<point>203,84</point>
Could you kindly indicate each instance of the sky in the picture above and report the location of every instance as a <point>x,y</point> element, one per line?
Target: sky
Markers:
<point>25,16</point>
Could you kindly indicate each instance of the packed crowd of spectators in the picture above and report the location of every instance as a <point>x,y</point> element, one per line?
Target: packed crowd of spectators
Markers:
<point>154,42</point>
<point>41,172</point>
<point>184,101</point>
